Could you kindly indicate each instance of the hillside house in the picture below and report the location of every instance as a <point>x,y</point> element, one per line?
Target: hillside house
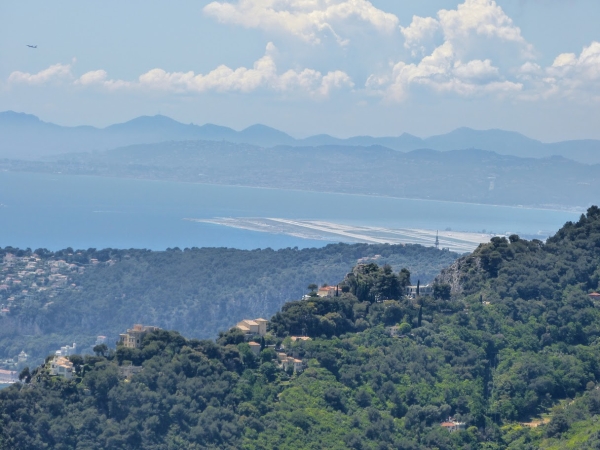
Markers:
<point>296,364</point>
<point>251,327</point>
<point>411,291</point>
<point>286,362</point>
<point>453,426</point>
<point>134,336</point>
<point>594,296</point>
<point>327,291</point>
<point>255,347</point>
<point>61,366</point>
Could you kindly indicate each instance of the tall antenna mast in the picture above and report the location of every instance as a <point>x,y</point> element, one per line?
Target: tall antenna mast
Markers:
<point>437,240</point>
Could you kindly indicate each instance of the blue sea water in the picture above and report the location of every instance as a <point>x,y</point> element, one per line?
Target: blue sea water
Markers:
<point>59,211</point>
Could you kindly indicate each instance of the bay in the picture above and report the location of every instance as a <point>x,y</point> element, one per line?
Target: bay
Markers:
<point>56,211</point>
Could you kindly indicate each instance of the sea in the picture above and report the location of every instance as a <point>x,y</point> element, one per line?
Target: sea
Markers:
<point>55,211</point>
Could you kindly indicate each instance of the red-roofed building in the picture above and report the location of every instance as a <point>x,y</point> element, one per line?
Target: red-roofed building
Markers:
<point>453,426</point>
<point>327,291</point>
<point>594,296</point>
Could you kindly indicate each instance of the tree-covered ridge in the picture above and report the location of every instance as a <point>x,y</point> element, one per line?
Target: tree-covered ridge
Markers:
<point>195,291</point>
<point>517,269</point>
<point>382,370</point>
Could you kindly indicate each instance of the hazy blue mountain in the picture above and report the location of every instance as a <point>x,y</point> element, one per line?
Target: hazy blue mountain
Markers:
<point>263,135</point>
<point>24,136</point>
<point>499,141</point>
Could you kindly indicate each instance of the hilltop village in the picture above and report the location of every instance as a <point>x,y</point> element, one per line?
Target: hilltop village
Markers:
<point>24,278</point>
<point>30,278</point>
<point>252,333</point>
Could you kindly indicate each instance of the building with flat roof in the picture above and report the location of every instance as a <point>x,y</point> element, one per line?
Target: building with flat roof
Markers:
<point>411,291</point>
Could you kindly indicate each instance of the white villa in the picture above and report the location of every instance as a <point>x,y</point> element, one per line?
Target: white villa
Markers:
<point>61,366</point>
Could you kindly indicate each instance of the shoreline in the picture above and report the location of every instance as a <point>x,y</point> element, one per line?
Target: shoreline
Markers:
<point>566,209</point>
<point>458,241</point>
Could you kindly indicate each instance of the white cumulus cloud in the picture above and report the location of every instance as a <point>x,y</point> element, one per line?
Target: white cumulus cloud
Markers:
<point>306,19</point>
<point>443,44</point>
<point>262,75</point>
<point>55,72</point>
<point>471,19</point>
<point>571,76</point>
<point>443,72</point>
<point>483,17</point>
<point>421,29</point>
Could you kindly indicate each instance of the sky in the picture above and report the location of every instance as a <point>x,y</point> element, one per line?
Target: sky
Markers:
<point>342,67</point>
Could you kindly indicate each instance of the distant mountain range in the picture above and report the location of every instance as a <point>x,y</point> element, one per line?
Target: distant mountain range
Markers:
<point>24,136</point>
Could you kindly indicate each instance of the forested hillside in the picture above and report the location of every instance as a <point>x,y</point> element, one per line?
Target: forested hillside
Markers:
<point>381,371</point>
<point>473,176</point>
<point>70,296</point>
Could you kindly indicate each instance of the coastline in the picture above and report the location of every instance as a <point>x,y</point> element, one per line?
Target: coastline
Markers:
<point>569,209</point>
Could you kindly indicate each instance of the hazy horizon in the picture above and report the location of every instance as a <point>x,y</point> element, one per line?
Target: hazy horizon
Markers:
<point>291,134</point>
<point>378,68</point>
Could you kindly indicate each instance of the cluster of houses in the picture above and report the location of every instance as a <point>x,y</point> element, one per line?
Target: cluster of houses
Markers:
<point>411,291</point>
<point>289,362</point>
<point>258,327</point>
<point>24,277</point>
<point>60,365</point>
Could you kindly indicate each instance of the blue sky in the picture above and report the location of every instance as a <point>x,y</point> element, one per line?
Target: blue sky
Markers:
<point>343,67</point>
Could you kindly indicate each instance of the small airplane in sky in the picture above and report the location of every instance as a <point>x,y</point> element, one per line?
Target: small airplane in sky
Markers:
<point>31,46</point>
